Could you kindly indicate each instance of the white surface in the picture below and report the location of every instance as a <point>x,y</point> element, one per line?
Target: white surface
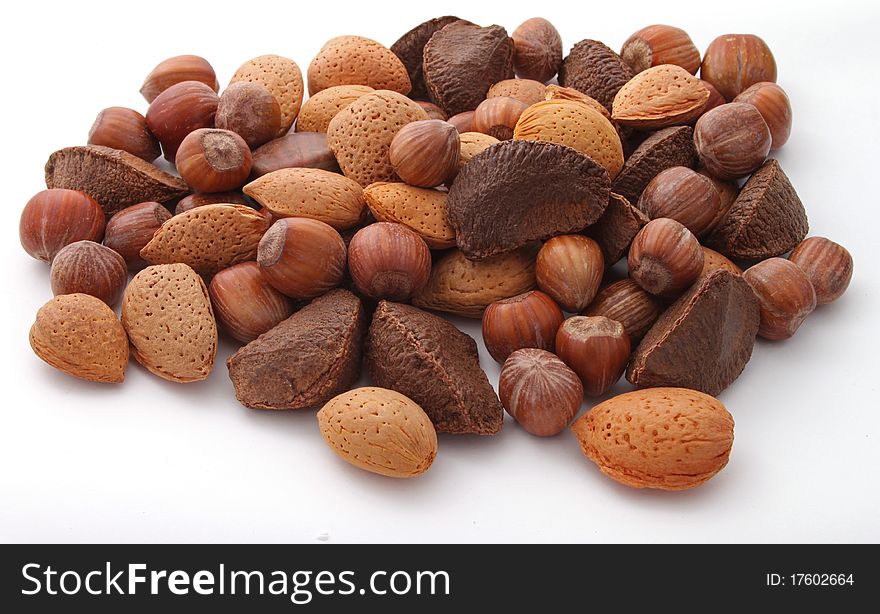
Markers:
<point>151,461</point>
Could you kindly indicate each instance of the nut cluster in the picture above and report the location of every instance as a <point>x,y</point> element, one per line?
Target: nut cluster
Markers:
<point>444,174</point>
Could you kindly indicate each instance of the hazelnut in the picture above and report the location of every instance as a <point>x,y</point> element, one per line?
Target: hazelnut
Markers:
<point>728,190</point>
<point>774,106</point>
<point>498,116</point>
<point>200,199</point>
<point>297,149</point>
<point>596,348</point>
<point>660,44</point>
<point>213,160</point>
<point>301,257</point>
<point>433,111</point>
<point>245,303</point>
<point>732,140</point>
<point>682,194</point>
<point>712,261</point>
<point>389,261</point>
<point>733,62</point>
<point>425,153</point>
<point>179,110</point>
<point>626,302</point>
<point>125,129</point>
<point>828,266</point>
<point>249,110</point>
<point>58,217</point>
<point>539,391</point>
<point>527,320</point>
<point>715,97</point>
<point>176,70</point>
<point>90,268</point>
<point>537,50</point>
<point>129,230</point>
<point>463,122</point>
<point>665,258</point>
<point>569,269</point>
<point>785,294</point>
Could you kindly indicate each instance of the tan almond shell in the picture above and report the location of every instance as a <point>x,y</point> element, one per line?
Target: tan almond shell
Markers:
<point>313,193</point>
<point>167,314</point>
<point>208,238</point>
<point>422,210</point>
<point>320,108</point>
<point>473,143</point>
<point>282,77</point>
<point>466,287</point>
<point>355,60</point>
<point>557,92</point>
<point>80,335</point>
<point>360,135</point>
<point>576,124</point>
<point>666,438</point>
<point>658,97</point>
<point>379,430</point>
<point>528,91</point>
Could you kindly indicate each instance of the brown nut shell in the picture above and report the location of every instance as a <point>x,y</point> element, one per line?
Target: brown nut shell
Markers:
<point>626,302</point>
<point>249,110</point>
<point>596,348</point>
<point>425,153</point>
<point>179,110</point>
<point>282,77</point>
<point>54,218</point>
<point>129,230</point>
<point>569,269</point>
<point>828,265</point>
<point>322,107</point>
<point>89,268</point>
<point>685,196</point>
<point>528,91</point>
<point>734,62</point>
<point>660,44</point>
<point>176,70</point>
<point>594,69</point>
<point>125,129</point>
<point>774,106</point>
<point>732,140</point>
<point>785,294</point>
<point>421,210</point>
<point>537,50</point>
<point>355,60</point>
<point>244,302</point>
<point>528,320</point>
<point>214,160</point>
<point>498,116</point>
<point>389,261</point>
<point>294,150</point>
<point>665,258</point>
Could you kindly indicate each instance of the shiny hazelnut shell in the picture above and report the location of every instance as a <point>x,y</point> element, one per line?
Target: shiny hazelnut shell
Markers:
<point>774,106</point>
<point>828,265</point>
<point>528,320</point>
<point>732,140</point>
<point>537,50</point>
<point>569,269</point>
<point>130,229</point>
<point>176,70</point>
<point>498,116</point>
<point>245,303</point>
<point>425,153</point>
<point>626,302</point>
<point>785,294</point>
<point>179,110</point>
<point>660,44</point>
<point>665,258</point>
<point>57,217</point>
<point>682,194</point>
<point>125,129</point>
<point>214,160</point>
<point>595,348</point>
<point>389,261</point>
<point>90,268</point>
<point>249,110</point>
<point>734,62</point>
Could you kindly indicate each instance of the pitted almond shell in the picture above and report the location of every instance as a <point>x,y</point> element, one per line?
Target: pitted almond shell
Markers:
<point>320,108</point>
<point>661,96</point>
<point>310,192</point>
<point>80,335</point>
<point>473,143</point>
<point>466,287</point>
<point>167,314</point>
<point>576,124</point>
<point>282,77</point>
<point>355,60</point>
<point>208,238</point>
<point>379,430</point>
<point>557,92</point>
<point>360,135</point>
<point>422,210</point>
<point>528,91</point>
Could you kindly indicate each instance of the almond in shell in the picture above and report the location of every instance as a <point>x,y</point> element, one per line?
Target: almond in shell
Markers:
<point>355,60</point>
<point>473,143</point>
<point>528,91</point>
<point>666,438</point>
<point>310,192</point>
<point>422,210</point>
<point>282,77</point>
<point>80,335</point>
<point>208,238</point>
<point>379,430</point>
<point>320,108</point>
<point>661,96</point>
<point>167,314</point>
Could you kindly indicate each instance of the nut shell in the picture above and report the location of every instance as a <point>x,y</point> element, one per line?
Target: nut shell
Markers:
<point>626,302</point>
<point>528,320</point>
<point>54,218</point>
<point>89,268</point>
<point>528,91</point>
<point>425,153</point>
<point>129,230</point>
<point>322,107</point>
<point>665,258</point>
<point>666,438</point>
<point>179,110</point>
<point>774,106</point>
<point>81,336</point>
<point>594,69</point>
<point>732,140</point>
<point>355,60</point>
<point>660,44</point>
<point>537,50</point>
<point>389,261</point>
<point>421,210</point>
<point>498,116</point>
<point>682,194</point>
<point>828,265</point>
<point>734,62</point>
<point>245,303</point>
<point>282,77</point>
<point>539,391</point>
<point>301,257</point>
<point>249,110</point>
<point>295,150</point>
<point>596,348</point>
<point>213,160</point>
<point>379,430</point>
<point>176,70</point>
<point>786,296</point>
<point>125,129</point>
<point>569,269</point>
<point>659,97</point>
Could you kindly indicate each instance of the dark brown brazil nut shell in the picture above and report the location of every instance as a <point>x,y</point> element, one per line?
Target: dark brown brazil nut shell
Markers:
<point>410,49</point>
<point>436,365</point>
<point>663,149</point>
<point>516,192</point>
<point>596,70</point>
<point>703,341</point>
<point>616,229</point>
<point>462,61</point>
<point>767,219</point>
<point>306,360</point>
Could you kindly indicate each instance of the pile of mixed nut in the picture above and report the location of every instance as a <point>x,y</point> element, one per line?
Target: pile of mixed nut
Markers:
<point>446,174</point>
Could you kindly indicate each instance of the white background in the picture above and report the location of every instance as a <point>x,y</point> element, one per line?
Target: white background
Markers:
<point>152,461</point>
